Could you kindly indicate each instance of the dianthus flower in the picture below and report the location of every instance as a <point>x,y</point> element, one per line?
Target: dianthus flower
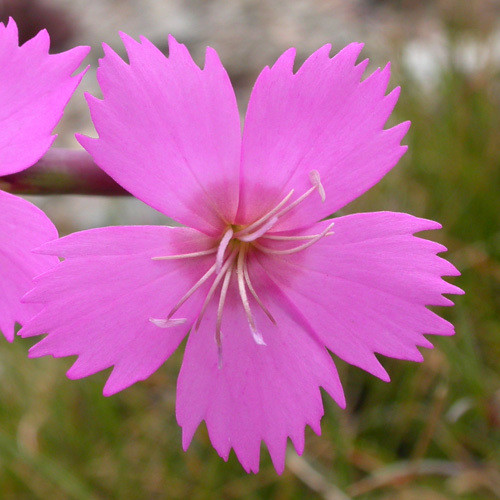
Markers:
<point>262,284</point>
<point>34,89</point>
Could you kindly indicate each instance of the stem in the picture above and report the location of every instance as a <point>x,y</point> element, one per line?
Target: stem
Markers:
<point>62,171</point>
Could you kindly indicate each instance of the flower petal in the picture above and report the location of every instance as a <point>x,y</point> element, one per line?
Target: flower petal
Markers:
<point>169,132</point>
<point>320,118</point>
<point>261,392</point>
<point>363,290</point>
<point>98,302</point>
<point>24,227</point>
<point>34,89</point>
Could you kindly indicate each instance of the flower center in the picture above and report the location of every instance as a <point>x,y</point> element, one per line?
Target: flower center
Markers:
<point>231,257</point>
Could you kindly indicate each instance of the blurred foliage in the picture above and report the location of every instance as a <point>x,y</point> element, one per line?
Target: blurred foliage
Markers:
<point>433,432</point>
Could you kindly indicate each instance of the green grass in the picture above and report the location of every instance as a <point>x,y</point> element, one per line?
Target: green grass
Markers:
<point>433,432</point>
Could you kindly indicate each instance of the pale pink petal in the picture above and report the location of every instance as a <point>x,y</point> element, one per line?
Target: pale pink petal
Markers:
<point>262,392</point>
<point>23,227</point>
<point>34,89</point>
<point>169,132</point>
<point>320,118</point>
<point>99,301</point>
<point>363,290</point>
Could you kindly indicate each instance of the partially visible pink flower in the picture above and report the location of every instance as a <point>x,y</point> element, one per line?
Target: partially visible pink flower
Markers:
<point>260,282</point>
<point>34,89</point>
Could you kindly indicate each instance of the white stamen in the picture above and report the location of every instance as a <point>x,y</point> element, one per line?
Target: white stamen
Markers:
<point>289,251</point>
<point>257,336</point>
<point>259,232</point>
<point>220,309</point>
<point>293,238</point>
<point>316,182</point>
<point>168,323</point>
<point>186,255</point>
<point>224,242</point>
<point>264,218</point>
<point>278,212</point>
<point>300,199</point>
<point>192,290</point>
<point>223,268</point>
<point>215,284</point>
<point>254,293</point>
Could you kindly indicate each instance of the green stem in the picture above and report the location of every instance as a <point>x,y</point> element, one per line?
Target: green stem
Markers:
<point>62,171</point>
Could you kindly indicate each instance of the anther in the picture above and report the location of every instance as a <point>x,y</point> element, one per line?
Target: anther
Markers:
<point>316,182</point>
<point>168,323</point>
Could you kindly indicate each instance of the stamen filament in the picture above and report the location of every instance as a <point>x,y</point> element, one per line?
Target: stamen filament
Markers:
<point>224,242</point>
<point>223,267</point>
<point>254,293</point>
<point>289,251</point>
<point>292,238</point>
<point>186,255</point>
<point>259,232</point>
<point>257,336</point>
<point>220,309</point>
<point>300,199</point>
<point>278,212</point>
<point>264,218</point>
<point>191,291</point>
<point>215,284</point>
<point>316,182</point>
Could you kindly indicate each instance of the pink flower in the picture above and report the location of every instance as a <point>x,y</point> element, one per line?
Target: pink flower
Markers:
<point>262,284</point>
<point>34,89</point>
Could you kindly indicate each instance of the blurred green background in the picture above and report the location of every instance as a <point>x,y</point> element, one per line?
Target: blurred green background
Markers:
<point>434,431</point>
